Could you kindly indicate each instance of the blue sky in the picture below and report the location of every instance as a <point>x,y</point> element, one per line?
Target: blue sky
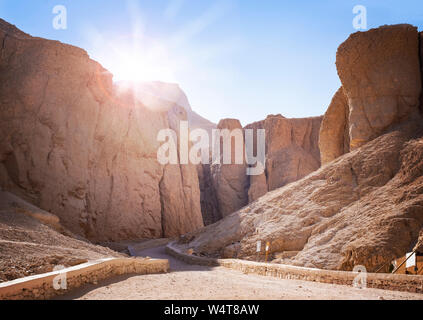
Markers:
<point>242,59</point>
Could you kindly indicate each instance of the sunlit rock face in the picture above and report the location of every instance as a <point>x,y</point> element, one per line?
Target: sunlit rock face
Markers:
<point>162,96</point>
<point>75,145</point>
<point>381,78</point>
<point>365,205</point>
<point>157,95</point>
<point>362,209</point>
<point>380,74</point>
<point>292,152</point>
<point>154,93</point>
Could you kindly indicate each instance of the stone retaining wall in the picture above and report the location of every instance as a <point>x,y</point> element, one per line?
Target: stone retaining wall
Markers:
<point>42,287</point>
<point>387,281</point>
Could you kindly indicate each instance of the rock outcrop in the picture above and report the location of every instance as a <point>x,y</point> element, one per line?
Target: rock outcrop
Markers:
<point>76,145</point>
<point>334,138</point>
<point>230,180</point>
<point>381,77</point>
<point>421,69</point>
<point>157,95</point>
<point>364,207</point>
<point>292,152</point>
<point>209,203</point>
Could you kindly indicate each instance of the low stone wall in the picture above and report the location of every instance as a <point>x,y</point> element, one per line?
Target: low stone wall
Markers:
<point>42,286</point>
<point>191,259</point>
<point>387,281</point>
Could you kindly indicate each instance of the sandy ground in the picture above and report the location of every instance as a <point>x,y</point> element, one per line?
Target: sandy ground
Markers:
<point>32,242</point>
<point>204,283</point>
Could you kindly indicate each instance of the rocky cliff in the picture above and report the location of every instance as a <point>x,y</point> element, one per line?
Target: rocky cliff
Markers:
<point>230,181</point>
<point>334,138</point>
<point>292,152</point>
<point>76,145</point>
<point>364,207</point>
<point>380,74</point>
<point>157,95</point>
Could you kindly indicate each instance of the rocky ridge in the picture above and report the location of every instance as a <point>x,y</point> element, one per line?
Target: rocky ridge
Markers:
<point>365,205</point>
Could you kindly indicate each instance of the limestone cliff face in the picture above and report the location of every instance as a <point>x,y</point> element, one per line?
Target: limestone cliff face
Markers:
<point>158,95</point>
<point>292,152</point>
<point>421,69</point>
<point>365,206</point>
<point>381,77</point>
<point>209,203</point>
<point>334,133</point>
<point>380,74</point>
<point>230,181</point>
<point>75,145</point>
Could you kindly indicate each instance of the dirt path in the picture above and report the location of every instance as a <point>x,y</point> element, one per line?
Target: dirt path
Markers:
<point>204,283</point>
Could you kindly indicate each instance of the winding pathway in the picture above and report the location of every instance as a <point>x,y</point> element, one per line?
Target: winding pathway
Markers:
<point>192,282</point>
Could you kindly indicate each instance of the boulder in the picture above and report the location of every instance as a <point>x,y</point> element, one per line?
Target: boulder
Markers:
<point>380,73</point>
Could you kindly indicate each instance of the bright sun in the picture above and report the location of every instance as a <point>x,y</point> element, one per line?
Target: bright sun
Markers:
<point>141,63</point>
<point>134,58</point>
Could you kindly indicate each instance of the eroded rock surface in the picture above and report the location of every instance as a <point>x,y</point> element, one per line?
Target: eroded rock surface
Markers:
<point>209,204</point>
<point>157,95</point>
<point>230,181</point>
<point>78,146</point>
<point>334,133</point>
<point>365,207</point>
<point>292,152</point>
<point>380,73</point>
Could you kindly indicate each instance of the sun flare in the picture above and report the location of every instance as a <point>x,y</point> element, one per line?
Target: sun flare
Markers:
<point>140,63</point>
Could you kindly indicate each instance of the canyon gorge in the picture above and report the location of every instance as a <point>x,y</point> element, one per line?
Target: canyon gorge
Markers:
<point>338,190</point>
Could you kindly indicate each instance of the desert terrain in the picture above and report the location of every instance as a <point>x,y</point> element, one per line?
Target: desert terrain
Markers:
<point>193,282</point>
<point>80,178</point>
